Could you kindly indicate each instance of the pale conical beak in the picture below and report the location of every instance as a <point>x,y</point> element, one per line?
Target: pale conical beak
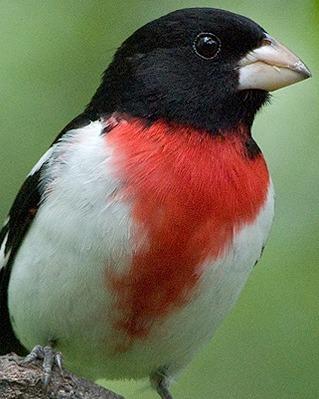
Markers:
<point>270,67</point>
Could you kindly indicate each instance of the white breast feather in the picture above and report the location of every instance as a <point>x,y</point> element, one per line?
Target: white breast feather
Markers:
<point>78,232</point>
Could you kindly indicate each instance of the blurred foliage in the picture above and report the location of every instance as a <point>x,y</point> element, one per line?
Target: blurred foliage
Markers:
<point>52,54</point>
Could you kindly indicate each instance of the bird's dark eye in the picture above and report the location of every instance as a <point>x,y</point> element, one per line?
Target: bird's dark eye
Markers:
<point>207,45</point>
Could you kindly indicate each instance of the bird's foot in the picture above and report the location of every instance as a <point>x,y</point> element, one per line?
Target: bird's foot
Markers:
<point>50,358</point>
<point>160,382</point>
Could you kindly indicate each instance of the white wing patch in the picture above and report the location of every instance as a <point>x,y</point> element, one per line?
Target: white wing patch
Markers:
<point>4,257</point>
<point>41,161</point>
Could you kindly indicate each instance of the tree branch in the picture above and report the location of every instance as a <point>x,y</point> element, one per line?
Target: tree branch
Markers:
<point>17,381</point>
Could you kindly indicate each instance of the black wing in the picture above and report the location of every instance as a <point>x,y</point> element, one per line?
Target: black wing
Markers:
<point>21,215</point>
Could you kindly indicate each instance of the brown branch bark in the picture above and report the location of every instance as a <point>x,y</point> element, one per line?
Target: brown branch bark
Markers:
<point>25,382</point>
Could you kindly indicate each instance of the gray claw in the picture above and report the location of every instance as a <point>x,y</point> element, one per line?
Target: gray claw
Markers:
<point>36,353</point>
<point>49,357</point>
<point>48,363</point>
<point>59,361</point>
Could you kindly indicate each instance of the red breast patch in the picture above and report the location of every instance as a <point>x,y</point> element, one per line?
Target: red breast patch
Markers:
<point>189,191</point>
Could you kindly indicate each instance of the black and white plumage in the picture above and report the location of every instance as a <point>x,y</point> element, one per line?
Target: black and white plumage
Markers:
<point>20,218</point>
<point>78,217</point>
<point>12,234</point>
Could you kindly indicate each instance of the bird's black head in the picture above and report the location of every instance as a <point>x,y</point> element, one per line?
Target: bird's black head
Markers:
<point>184,67</point>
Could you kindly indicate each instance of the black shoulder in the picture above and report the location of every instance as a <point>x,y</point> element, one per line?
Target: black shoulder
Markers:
<point>21,216</point>
<point>80,121</point>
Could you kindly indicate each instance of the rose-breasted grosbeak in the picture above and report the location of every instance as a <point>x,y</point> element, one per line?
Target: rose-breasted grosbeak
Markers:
<point>134,234</point>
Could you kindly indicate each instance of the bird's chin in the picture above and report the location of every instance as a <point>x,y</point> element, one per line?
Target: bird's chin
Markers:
<point>253,100</point>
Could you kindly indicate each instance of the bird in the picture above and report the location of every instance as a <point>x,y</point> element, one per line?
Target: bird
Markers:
<point>132,237</point>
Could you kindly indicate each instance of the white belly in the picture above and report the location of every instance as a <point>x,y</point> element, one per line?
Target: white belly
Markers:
<point>57,289</point>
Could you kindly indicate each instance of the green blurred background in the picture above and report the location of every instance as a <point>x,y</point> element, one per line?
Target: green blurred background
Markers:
<point>52,54</point>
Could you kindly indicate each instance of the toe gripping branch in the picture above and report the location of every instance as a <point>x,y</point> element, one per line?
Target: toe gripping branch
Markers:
<point>50,358</point>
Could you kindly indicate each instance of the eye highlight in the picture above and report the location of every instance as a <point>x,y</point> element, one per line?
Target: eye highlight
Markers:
<point>207,45</point>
